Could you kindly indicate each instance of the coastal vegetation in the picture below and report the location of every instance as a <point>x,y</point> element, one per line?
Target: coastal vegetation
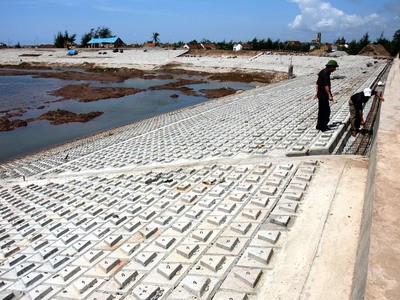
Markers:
<point>100,32</point>
<point>351,47</point>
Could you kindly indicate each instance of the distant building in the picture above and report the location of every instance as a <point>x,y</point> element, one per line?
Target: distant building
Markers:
<point>237,47</point>
<point>242,46</point>
<point>112,42</point>
<point>316,41</point>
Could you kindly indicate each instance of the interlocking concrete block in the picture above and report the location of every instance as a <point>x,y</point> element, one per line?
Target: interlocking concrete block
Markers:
<point>297,185</point>
<point>227,243</point>
<point>148,231</point>
<point>260,202</point>
<point>231,295</point>
<point>93,255</point>
<point>42,292</point>
<point>163,203</point>
<point>273,181</point>
<point>212,262</point>
<point>124,278</point>
<point>202,235</point>
<point>109,264</point>
<point>293,195</point>
<point>241,228</point>
<point>262,255</point>
<point>196,285</point>
<point>133,225</point>
<point>189,197</point>
<point>47,252</point>
<point>165,242</point>
<point>280,220</point>
<point>288,207</point>
<point>145,258</point>
<point>164,220</point>
<point>80,288</point>
<point>181,226</point>
<point>270,236</point>
<point>237,196</point>
<point>169,270</point>
<point>176,208</point>
<point>57,262</point>
<point>147,292</point>
<point>217,192</point>
<point>252,214</point>
<point>195,213</point>
<point>268,190</point>
<point>129,248</point>
<point>227,207</point>
<point>13,260</point>
<point>207,202</point>
<point>216,219</point>
<point>187,251</point>
<point>250,276</point>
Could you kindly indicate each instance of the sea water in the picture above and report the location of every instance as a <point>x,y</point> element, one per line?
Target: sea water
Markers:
<point>31,94</point>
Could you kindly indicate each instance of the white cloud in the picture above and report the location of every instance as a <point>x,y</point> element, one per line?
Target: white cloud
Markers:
<point>317,15</point>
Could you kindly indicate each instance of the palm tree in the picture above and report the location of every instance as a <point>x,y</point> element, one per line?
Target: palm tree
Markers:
<point>155,38</point>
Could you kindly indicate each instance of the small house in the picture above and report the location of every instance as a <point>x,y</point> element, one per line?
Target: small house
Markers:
<point>111,42</point>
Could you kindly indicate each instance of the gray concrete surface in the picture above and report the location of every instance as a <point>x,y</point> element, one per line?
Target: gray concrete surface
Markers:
<point>219,201</point>
<point>383,268</point>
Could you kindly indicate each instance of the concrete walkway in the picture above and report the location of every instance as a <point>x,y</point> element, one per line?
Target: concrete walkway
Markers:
<point>384,262</point>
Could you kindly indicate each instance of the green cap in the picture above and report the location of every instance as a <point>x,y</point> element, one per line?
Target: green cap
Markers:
<point>332,63</point>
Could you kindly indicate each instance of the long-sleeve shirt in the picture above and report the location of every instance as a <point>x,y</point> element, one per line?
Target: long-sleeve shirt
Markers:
<point>359,99</point>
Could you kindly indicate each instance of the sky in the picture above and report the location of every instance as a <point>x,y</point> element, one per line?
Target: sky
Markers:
<point>35,22</point>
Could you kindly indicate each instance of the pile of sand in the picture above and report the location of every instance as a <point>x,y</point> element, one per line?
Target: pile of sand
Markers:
<point>375,50</point>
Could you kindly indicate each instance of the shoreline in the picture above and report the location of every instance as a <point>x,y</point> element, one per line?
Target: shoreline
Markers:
<point>94,136</point>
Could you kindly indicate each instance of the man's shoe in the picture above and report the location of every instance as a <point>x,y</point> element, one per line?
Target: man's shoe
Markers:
<point>326,129</point>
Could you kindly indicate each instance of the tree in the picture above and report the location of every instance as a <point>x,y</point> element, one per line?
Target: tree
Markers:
<point>64,40</point>
<point>99,32</point>
<point>255,44</point>
<point>353,48</point>
<point>384,42</point>
<point>103,32</point>
<point>396,43</point>
<point>155,38</point>
<point>86,37</point>
<point>364,41</point>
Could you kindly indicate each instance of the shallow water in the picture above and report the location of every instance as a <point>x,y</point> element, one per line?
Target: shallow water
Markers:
<point>28,92</point>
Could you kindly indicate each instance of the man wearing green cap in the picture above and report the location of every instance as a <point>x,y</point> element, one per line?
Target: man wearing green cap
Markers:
<point>324,95</point>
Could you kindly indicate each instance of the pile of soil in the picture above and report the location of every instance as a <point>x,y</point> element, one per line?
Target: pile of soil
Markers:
<point>375,50</point>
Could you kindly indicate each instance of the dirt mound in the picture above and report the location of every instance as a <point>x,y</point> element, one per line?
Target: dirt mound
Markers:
<point>375,50</point>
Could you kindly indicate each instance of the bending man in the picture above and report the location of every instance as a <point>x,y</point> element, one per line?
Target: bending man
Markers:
<point>356,103</point>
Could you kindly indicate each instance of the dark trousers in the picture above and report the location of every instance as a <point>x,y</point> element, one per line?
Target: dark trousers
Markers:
<point>324,112</point>
<point>355,121</point>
